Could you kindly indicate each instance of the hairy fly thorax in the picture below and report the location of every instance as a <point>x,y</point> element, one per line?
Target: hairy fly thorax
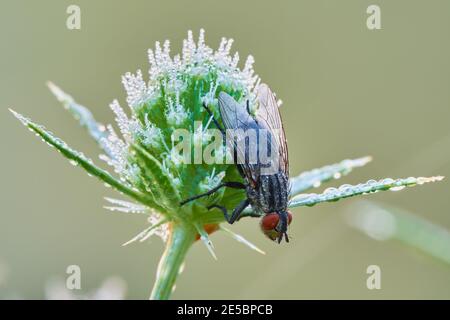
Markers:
<point>270,194</point>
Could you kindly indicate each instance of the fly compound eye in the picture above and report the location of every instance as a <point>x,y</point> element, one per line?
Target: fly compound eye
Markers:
<point>268,225</point>
<point>289,217</point>
<point>270,221</point>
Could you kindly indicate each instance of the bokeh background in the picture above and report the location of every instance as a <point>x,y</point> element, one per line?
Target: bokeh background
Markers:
<point>347,92</point>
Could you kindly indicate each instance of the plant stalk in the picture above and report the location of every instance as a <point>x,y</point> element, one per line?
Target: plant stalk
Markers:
<point>180,240</point>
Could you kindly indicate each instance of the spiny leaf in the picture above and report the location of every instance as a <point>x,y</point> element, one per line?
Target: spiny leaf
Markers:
<point>346,190</point>
<point>126,207</point>
<point>146,233</point>
<point>205,239</point>
<point>156,176</point>
<point>79,159</point>
<point>241,239</point>
<point>80,113</point>
<point>315,177</point>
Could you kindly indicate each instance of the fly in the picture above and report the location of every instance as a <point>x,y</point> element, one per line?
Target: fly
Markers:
<point>262,163</point>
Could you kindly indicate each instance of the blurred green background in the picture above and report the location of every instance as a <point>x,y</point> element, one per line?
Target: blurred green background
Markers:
<point>347,92</point>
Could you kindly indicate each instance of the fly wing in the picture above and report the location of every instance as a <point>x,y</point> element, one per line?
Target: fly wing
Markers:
<point>233,114</point>
<point>268,116</point>
<point>238,124</point>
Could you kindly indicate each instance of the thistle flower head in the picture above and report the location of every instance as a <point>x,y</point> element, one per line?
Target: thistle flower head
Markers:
<point>145,154</point>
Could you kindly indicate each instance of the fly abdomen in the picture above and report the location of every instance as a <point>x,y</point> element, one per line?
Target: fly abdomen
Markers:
<point>273,192</point>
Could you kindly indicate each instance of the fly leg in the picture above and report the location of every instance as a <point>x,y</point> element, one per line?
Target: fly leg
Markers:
<point>236,212</point>
<point>230,184</point>
<point>283,227</point>
<point>211,114</point>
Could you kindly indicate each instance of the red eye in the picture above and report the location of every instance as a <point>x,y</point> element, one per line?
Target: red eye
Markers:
<point>270,221</point>
<point>289,217</point>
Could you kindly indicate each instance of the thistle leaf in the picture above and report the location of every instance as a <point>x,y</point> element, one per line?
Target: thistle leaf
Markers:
<point>146,233</point>
<point>241,239</point>
<point>125,210</point>
<point>346,190</point>
<point>126,207</point>
<point>206,241</point>
<point>156,177</point>
<point>315,177</point>
<point>77,158</point>
<point>82,114</point>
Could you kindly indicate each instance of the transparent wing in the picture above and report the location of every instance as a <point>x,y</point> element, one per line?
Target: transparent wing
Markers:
<point>268,116</point>
<point>233,114</point>
<point>238,124</point>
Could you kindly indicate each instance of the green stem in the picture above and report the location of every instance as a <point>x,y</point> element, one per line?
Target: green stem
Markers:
<point>180,240</point>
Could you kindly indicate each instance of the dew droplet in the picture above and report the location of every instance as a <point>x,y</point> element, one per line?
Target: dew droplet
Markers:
<point>345,188</point>
<point>398,188</point>
<point>412,180</point>
<point>181,268</point>
<point>366,187</point>
<point>330,190</point>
